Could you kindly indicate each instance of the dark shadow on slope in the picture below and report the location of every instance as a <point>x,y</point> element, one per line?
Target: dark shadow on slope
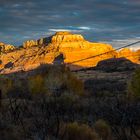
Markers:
<point>114,65</point>
<point>111,72</point>
<point>59,60</point>
<point>107,66</point>
<point>44,41</point>
<point>9,65</point>
<point>0,62</point>
<point>110,76</point>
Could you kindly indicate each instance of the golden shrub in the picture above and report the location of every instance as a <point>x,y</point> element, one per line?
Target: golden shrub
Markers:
<point>36,84</point>
<point>60,79</point>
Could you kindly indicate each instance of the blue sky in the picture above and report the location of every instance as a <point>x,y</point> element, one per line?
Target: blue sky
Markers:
<point>113,21</point>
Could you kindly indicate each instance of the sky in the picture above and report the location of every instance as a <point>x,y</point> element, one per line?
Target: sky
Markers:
<point>112,21</point>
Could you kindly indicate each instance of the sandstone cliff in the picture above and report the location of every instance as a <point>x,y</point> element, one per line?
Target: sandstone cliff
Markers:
<point>133,56</point>
<point>4,48</point>
<point>62,47</point>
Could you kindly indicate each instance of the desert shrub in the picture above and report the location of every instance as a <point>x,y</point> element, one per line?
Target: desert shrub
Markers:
<point>75,131</point>
<point>103,129</point>
<point>18,89</point>
<point>134,85</point>
<point>61,79</point>
<point>66,101</point>
<point>75,84</point>
<point>36,84</point>
<point>10,132</point>
<point>5,85</point>
<point>13,87</point>
<point>134,137</point>
<point>56,80</point>
<point>45,80</point>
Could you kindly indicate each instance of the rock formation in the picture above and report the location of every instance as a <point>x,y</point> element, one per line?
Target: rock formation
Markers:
<point>71,47</point>
<point>30,43</point>
<point>39,42</point>
<point>116,64</point>
<point>133,56</point>
<point>4,48</point>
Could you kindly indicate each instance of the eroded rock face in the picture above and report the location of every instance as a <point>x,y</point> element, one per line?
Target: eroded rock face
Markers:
<point>39,42</point>
<point>133,56</point>
<point>73,47</point>
<point>138,55</point>
<point>61,37</point>
<point>6,47</point>
<point>30,43</point>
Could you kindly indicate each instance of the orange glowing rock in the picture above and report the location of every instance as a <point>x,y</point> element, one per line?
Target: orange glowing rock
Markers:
<point>6,47</point>
<point>73,47</point>
<point>133,56</point>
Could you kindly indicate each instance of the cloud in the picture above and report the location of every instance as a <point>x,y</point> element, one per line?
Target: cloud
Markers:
<point>97,20</point>
<point>58,30</point>
<point>70,29</point>
<point>84,28</point>
<point>123,42</point>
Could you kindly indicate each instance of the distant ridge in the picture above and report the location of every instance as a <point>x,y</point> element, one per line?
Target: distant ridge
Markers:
<point>60,48</point>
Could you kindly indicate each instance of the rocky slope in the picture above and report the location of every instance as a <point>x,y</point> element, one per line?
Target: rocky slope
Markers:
<point>62,47</point>
<point>130,55</point>
<point>6,47</point>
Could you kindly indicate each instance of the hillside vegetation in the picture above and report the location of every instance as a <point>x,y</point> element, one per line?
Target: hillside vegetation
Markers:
<point>51,103</point>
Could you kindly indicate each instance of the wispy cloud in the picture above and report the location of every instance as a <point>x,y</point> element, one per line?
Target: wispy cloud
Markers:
<point>70,29</point>
<point>84,28</point>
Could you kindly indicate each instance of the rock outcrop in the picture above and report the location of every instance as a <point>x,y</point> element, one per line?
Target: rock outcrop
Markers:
<point>75,47</point>
<point>61,37</point>
<point>133,56</point>
<point>74,50</point>
<point>4,48</point>
<point>39,42</point>
<point>30,43</point>
<point>116,65</point>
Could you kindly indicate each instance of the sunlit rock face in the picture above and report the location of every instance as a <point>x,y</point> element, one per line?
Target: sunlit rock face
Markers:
<point>61,37</point>
<point>71,47</point>
<point>138,55</point>
<point>75,47</point>
<point>4,48</point>
<point>133,56</point>
<point>30,43</point>
<point>36,43</point>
